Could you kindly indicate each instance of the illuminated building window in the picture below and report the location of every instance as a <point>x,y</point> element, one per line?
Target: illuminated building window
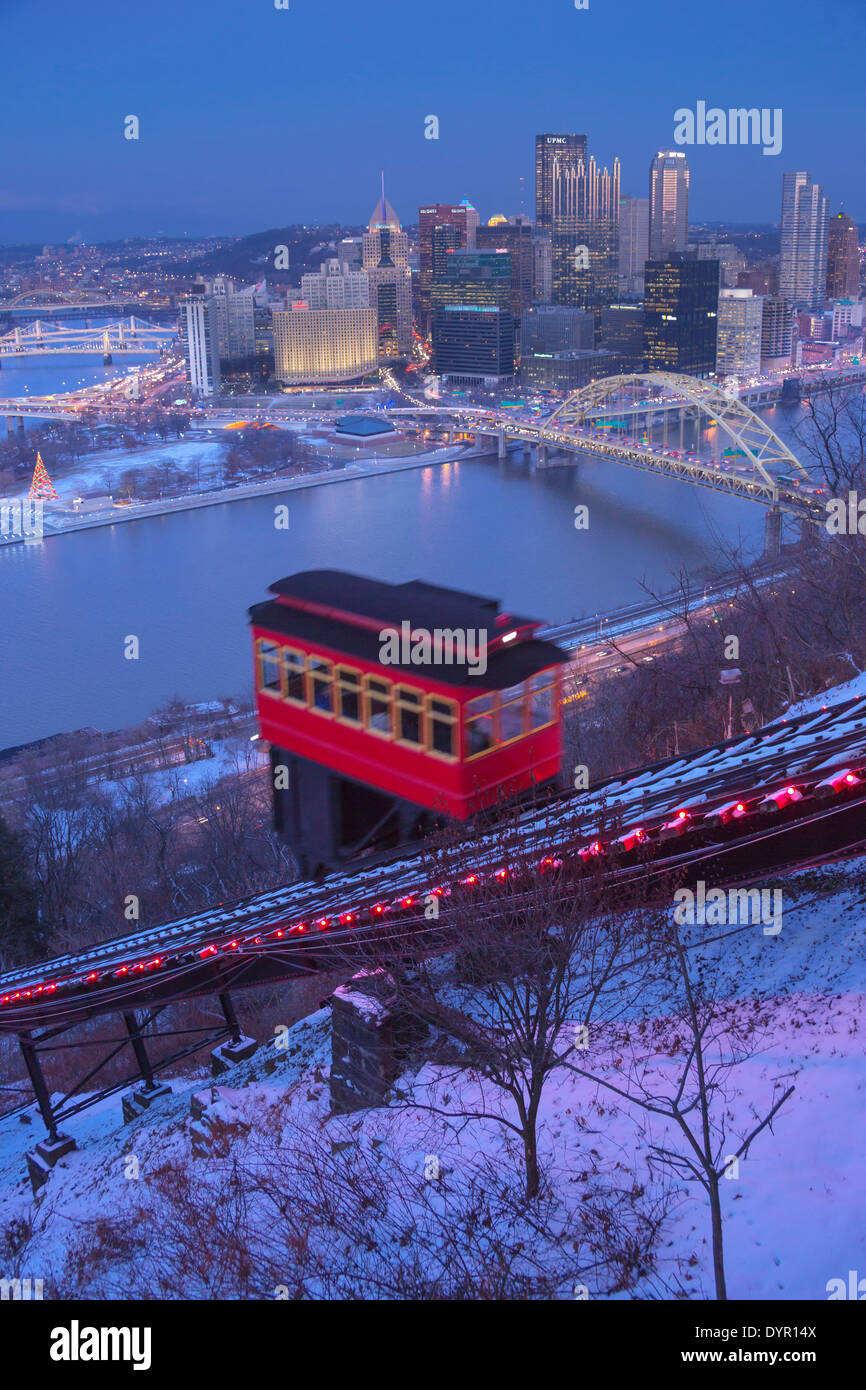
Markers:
<point>542,699</point>
<point>378,706</point>
<point>269,666</point>
<point>511,717</point>
<point>349,694</point>
<point>480,734</point>
<point>442,727</point>
<point>321,685</point>
<point>293,666</point>
<point>408,709</point>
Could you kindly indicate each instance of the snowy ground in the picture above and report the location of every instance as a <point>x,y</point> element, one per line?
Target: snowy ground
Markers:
<point>848,690</point>
<point>795,1217</point>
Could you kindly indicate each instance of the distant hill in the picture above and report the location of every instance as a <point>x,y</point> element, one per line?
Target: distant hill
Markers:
<point>251,258</point>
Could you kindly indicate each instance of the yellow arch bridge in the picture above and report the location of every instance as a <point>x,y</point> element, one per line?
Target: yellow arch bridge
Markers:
<point>644,421</point>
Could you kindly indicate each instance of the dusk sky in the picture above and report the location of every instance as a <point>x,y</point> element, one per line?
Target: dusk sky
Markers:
<point>253,117</point>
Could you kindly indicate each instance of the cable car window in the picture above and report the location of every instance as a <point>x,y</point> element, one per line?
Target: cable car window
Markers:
<point>511,712</point>
<point>378,706</point>
<point>321,685</point>
<point>442,727</point>
<point>293,665</point>
<point>349,694</point>
<point>408,703</point>
<point>542,699</point>
<point>269,666</point>
<point>480,735</point>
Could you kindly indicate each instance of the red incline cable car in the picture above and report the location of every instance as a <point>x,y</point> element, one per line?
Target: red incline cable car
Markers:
<point>386,704</point>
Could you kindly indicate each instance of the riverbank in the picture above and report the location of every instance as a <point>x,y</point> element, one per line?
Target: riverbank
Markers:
<point>65,525</point>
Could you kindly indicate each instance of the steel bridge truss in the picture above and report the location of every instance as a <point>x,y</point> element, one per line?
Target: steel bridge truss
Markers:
<point>647,394</point>
<point>141,1030</point>
<point>127,335</point>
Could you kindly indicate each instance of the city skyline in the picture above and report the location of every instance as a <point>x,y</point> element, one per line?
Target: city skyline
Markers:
<point>300,141</point>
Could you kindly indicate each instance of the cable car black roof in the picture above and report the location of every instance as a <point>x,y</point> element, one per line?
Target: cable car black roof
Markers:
<point>341,597</point>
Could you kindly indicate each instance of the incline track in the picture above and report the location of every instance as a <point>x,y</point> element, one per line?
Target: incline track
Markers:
<point>308,927</point>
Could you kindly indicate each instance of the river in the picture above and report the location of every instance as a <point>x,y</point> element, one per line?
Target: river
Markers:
<point>182,583</point>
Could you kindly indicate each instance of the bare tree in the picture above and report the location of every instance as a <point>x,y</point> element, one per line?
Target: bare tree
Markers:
<point>710,1038</point>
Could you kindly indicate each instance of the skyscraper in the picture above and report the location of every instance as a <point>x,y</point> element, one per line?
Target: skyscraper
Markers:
<point>542,267</point>
<point>803,266</point>
<point>585,234</point>
<point>335,286</point>
<point>668,204</point>
<point>570,152</point>
<point>385,254</point>
<point>324,345</point>
<point>516,238</point>
<point>473,326</point>
<point>680,315</point>
<point>200,338</point>
<point>633,243</point>
<point>777,335</point>
<point>843,258</point>
<point>738,346</point>
<point>429,217</point>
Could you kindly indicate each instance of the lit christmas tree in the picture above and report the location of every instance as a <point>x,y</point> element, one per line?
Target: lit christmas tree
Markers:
<point>42,486</point>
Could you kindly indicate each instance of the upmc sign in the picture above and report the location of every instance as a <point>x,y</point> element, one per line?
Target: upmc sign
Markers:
<point>557,139</point>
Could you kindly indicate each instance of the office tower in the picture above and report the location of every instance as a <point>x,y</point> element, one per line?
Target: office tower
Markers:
<point>473,326</point>
<point>444,239</point>
<point>633,243</point>
<point>473,345</point>
<point>555,328</point>
<point>681,307</point>
<point>777,334</point>
<point>622,333</point>
<point>198,327</point>
<point>349,252</point>
<point>585,235</point>
<point>516,238</point>
<point>233,312</point>
<point>739,326</point>
<point>335,286</point>
<point>473,221</point>
<point>385,254</point>
<point>324,345</point>
<point>843,258</point>
<point>668,204</point>
<point>481,278</point>
<point>569,370</point>
<point>542,267</point>
<point>803,266</point>
<point>847,317</point>
<point>570,153</point>
<point>429,217</point>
